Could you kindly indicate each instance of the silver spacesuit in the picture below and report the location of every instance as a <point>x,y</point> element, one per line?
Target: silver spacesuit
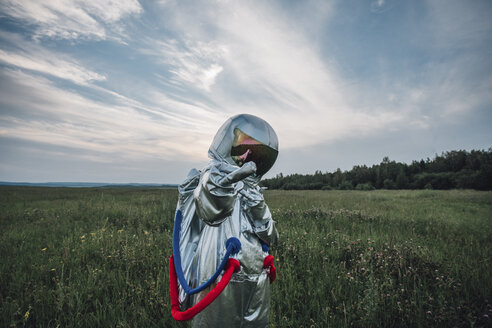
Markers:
<point>222,201</point>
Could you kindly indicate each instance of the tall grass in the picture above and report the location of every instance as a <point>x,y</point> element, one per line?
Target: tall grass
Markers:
<point>98,257</point>
<point>383,258</point>
<point>85,257</point>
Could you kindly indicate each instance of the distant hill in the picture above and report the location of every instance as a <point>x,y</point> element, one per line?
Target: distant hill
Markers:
<point>88,184</point>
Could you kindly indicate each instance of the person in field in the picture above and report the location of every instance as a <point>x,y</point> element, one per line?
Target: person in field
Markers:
<point>223,201</point>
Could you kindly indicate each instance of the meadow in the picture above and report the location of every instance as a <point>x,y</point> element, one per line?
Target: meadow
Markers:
<point>99,257</point>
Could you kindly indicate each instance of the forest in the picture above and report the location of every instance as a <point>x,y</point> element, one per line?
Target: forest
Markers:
<point>457,169</point>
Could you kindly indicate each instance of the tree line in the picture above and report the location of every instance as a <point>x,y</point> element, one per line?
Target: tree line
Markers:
<point>451,170</point>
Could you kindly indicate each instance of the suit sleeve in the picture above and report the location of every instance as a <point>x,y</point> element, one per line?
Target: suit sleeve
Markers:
<point>214,199</point>
<point>262,221</point>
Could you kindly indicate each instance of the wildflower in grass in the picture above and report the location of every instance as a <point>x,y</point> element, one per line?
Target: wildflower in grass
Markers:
<point>44,249</point>
<point>53,269</point>
<point>26,315</point>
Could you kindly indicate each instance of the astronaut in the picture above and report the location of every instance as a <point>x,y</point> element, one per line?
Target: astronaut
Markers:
<point>222,201</point>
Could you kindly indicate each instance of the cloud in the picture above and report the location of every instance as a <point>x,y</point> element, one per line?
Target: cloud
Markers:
<point>111,10</point>
<point>185,67</point>
<point>276,71</point>
<point>111,131</point>
<point>377,6</point>
<point>65,19</point>
<point>192,63</point>
<point>459,25</point>
<point>451,79</point>
<point>55,163</point>
<point>48,63</point>
<point>32,56</point>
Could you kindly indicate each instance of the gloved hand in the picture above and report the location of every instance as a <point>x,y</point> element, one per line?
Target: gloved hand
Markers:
<point>256,203</point>
<point>243,172</point>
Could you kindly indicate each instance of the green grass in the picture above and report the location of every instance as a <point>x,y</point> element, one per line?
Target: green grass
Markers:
<point>98,257</point>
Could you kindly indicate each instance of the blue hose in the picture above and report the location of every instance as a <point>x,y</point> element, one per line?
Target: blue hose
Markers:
<point>233,245</point>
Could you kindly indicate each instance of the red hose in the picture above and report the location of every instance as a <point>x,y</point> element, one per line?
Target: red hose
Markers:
<point>232,266</point>
<point>271,271</point>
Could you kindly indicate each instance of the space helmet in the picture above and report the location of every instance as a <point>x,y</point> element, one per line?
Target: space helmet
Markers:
<point>244,138</point>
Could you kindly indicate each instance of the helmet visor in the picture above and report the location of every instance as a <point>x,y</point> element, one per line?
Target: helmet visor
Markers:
<point>247,149</point>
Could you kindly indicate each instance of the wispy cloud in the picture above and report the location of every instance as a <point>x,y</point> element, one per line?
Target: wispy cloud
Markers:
<point>276,70</point>
<point>48,63</point>
<point>380,6</point>
<point>458,24</point>
<point>321,72</point>
<point>193,63</point>
<point>67,19</point>
<point>116,130</point>
<point>31,56</point>
<point>377,3</point>
<point>454,80</point>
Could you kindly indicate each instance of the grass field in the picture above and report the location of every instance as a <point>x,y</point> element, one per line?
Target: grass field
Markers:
<point>98,257</point>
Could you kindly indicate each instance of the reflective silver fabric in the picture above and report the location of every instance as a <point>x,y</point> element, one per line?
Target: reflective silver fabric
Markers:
<point>215,209</point>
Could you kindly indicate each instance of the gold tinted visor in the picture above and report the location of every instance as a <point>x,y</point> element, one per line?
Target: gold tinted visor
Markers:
<point>247,149</point>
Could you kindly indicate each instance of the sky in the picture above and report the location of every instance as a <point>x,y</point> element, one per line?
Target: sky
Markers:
<point>125,91</point>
